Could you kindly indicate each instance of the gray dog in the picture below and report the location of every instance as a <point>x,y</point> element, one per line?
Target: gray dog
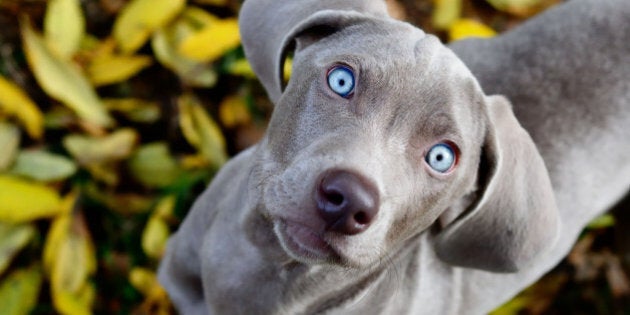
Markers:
<point>390,182</point>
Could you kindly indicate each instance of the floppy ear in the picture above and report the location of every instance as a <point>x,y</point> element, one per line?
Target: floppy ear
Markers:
<point>515,217</point>
<point>268,28</point>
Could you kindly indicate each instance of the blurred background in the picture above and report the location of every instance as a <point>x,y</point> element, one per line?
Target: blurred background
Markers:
<point>115,114</point>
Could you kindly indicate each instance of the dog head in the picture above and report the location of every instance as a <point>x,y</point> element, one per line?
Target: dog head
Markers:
<point>381,134</point>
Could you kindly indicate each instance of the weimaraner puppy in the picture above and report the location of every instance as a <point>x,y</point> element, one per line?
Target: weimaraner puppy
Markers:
<point>393,178</point>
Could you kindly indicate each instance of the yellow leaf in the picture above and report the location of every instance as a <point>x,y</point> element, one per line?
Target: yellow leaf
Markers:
<point>94,150</point>
<point>218,3</point>
<point>113,69</point>
<point>156,231</point>
<point>23,201</point>
<point>69,260</point>
<point>469,28</point>
<point>241,67</point>
<point>62,80</point>
<point>9,144</point>
<point>522,8</point>
<point>140,18</point>
<point>200,130</point>
<point>64,26</point>
<point>12,239</point>
<point>15,102</point>
<point>287,69</point>
<point>212,41</point>
<point>79,303</point>
<point>154,237</point>
<point>446,12</point>
<point>20,290</point>
<point>166,40</point>
<point>156,301</point>
<point>143,279</point>
<point>57,231</point>
<point>233,111</point>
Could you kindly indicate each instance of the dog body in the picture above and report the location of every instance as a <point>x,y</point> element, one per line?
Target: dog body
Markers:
<point>340,210</point>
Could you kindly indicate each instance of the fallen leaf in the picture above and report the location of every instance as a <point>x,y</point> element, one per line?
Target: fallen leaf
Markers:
<point>19,291</point>
<point>69,261</point>
<point>602,222</point>
<point>12,239</point>
<point>165,43</point>
<point>43,166</point>
<point>200,130</point>
<point>212,42</point>
<point>9,144</point>
<point>143,279</point>
<point>153,166</point>
<point>140,18</point>
<point>218,3</point>
<point>64,26</point>
<point>156,300</point>
<point>522,8</point>
<point>15,102</point>
<point>62,80</point>
<point>446,12</point>
<point>134,109</point>
<point>465,28</point>
<point>154,237</point>
<point>23,201</point>
<point>113,69</point>
<point>233,111</point>
<point>88,150</point>
<point>241,67</point>
<point>123,203</point>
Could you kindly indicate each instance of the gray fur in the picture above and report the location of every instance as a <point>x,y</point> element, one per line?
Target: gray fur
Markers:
<point>440,244</point>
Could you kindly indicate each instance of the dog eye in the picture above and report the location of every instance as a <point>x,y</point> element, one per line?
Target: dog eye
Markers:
<point>341,80</point>
<point>441,157</point>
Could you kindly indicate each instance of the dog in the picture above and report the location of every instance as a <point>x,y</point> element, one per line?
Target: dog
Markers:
<point>401,176</point>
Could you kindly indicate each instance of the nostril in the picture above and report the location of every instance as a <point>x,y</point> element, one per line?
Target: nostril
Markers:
<point>335,198</point>
<point>361,218</point>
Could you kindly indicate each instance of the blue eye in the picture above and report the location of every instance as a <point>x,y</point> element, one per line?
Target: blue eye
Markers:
<point>341,80</point>
<point>441,157</point>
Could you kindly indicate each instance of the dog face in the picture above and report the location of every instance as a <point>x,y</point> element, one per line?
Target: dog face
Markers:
<point>380,131</point>
<point>370,148</point>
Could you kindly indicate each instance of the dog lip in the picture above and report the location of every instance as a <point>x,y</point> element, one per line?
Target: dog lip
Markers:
<point>303,242</point>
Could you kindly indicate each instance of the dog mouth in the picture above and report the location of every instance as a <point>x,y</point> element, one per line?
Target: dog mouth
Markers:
<point>304,243</point>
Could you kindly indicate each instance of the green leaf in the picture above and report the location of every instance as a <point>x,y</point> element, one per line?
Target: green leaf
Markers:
<point>12,239</point>
<point>64,26</point>
<point>602,222</point>
<point>9,144</point>
<point>134,109</point>
<point>19,291</point>
<point>62,80</point>
<point>43,166</point>
<point>153,166</point>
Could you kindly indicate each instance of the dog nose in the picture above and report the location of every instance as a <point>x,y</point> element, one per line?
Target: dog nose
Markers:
<point>346,201</point>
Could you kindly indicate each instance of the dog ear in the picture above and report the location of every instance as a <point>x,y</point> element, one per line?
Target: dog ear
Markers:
<point>515,217</point>
<point>269,27</point>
